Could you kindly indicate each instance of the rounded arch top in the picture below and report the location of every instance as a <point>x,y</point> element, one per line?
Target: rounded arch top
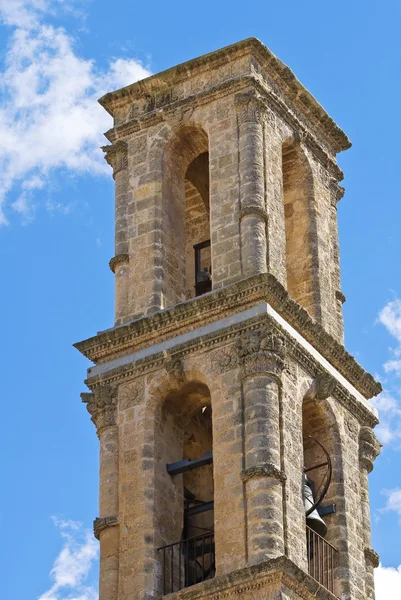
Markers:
<point>186,143</point>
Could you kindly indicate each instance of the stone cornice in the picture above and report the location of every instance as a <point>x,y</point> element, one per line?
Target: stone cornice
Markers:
<point>283,78</point>
<point>118,260</point>
<point>268,580</point>
<point>234,86</point>
<point>232,299</point>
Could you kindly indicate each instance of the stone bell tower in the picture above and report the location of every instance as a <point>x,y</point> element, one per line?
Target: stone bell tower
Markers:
<point>224,390</point>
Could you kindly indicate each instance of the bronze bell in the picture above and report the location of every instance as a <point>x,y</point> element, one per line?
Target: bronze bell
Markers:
<point>313,520</point>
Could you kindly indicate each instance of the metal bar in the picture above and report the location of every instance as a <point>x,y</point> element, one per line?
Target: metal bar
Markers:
<point>182,466</point>
<point>171,569</point>
<point>203,558</point>
<point>179,566</point>
<point>164,571</point>
<point>316,467</point>
<point>328,509</point>
<point>196,510</point>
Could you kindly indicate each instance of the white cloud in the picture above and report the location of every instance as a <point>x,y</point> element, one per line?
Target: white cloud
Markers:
<point>388,403</point>
<point>73,564</point>
<point>393,501</point>
<point>49,115</point>
<point>388,583</point>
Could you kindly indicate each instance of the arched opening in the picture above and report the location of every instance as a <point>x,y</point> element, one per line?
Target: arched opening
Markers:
<point>185,489</point>
<point>321,490</point>
<point>299,228</point>
<point>187,216</point>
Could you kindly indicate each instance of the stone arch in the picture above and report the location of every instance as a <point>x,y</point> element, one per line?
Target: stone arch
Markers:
<point>300,228</point>
<point>186,211</point>
<point>321,420</point>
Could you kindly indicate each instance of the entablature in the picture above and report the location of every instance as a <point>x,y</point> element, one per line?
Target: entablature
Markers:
<point>184,318</point>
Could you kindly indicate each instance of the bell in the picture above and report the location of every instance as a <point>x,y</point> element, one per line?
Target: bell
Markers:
<point>313,520</point>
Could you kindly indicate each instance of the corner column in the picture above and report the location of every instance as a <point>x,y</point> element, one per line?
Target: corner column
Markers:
<point>117,158</point>
<point>253,218</point>
<point>102,406</point>
<point>369,449</point>
<point>261,353</point>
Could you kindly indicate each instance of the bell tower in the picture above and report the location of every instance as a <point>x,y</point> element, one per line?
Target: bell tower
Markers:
<point>235,429</point>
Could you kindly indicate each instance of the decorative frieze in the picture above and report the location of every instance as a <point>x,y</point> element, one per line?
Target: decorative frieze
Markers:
<point>117,156</point>
<point>261,351</point>
<point>101,523</point>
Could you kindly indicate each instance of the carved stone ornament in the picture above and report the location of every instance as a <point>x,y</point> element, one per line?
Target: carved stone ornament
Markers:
<point>224,360</point>
<point>102,523</point>
<point>369,447</point>
<point>322,387</point>
<point>371,557</point>
<point>266,470</point>
<point>253,210</point>
<point>118,260</point>
<point>117,156</point>
<point>261,351</point>
<point>175,369</point>
<point>251,107</point>
<point>130,394</point>
<point>102,406</point>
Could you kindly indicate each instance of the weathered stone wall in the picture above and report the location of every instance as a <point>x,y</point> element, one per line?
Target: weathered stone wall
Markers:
<point>264,394</point>
<point>243,127</point>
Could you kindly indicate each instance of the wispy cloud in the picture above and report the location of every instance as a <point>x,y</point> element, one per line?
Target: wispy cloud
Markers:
<point>388,583</point>
<point>73,564</point>
<point>388,403</point>
<point>49,115</point>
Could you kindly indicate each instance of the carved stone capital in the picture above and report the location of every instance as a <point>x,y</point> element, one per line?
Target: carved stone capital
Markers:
<point>118,260</point>
<point>102,406</point>
<point>371,557</point>
<point>251,107</point>
<point>266,470</point>
<point>322,387</point>
<point>340,297</point>
<point>117,156</point>
<point>261,351</point>
<point>102,523</point>
<point>369,447</point>
<point>253,210</point>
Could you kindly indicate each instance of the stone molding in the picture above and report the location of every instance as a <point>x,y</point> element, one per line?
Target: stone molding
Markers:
<point>371,557</point>
<point>337,192</point>
<point>266,470</point>
<point>251,107</point>
<point>238,296</point>
<point>340,296</point>
<point>102,406</point>
<point>322,387</point>
<point>118,260</point>
<point>296,95</point>
<point>116,156</point>
<point>101,523</point>
<point>265,581</point>
<point>253,210</point>
<point>261,351</point>
<point>369,447</point>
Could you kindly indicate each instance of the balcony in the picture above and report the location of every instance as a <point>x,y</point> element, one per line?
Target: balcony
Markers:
<point>321,559</point>
<point>187,562</point>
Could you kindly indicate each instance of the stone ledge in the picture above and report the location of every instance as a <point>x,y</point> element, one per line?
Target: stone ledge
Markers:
<point>275,68</point>
<point>266,581</point>
<point>267,470</point>
<point>171,322</point>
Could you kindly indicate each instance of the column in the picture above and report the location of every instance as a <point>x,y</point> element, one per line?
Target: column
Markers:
<point>253,217</point>
<point>117,157</point>
<point>261,353</point>
<point>369,449</point>
<point>102,407</point>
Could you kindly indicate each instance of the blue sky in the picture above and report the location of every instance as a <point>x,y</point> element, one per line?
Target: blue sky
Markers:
<point>56,238</point>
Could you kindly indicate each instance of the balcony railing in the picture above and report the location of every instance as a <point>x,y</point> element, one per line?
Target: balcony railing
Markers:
<point>321,559</point>
<point>187,562</point>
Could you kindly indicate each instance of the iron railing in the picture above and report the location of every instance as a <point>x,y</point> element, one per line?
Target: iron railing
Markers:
<point>321,559</point>
<point>187,562</point>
